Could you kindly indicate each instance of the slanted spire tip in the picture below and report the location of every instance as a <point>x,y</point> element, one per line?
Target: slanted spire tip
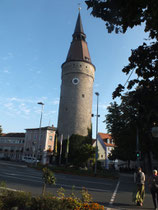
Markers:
<point>79,7</point>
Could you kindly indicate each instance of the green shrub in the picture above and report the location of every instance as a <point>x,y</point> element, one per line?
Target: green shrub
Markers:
<point>45,203</point>
<point>12,199</point>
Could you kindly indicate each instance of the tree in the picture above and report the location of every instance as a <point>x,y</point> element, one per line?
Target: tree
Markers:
<point>0,130</point>
<point>120,15</point>
<point>80,150</point>
<point>48,178</point>
<point>120,123</point>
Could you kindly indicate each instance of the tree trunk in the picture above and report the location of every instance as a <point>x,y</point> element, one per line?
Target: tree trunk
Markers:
<point>44,189</point>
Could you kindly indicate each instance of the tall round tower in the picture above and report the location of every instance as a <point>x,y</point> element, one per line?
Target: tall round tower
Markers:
<point>75,107</point>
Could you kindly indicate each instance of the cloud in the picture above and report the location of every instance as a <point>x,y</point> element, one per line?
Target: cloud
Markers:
<point>6,71</point>
<point>56,101</point>
<point>23,109</point>
<point>96,85</point>
<point>7,57</point>
<point>103,106</point>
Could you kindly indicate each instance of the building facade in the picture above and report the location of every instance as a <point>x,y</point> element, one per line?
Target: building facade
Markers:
<point>75,107</point>
<point>105,146</point>
<point>39,144</point>
<point>11,146</point>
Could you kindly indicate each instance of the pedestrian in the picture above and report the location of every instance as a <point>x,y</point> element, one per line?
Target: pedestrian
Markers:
<point>139,194</point>
<point>153,186</point>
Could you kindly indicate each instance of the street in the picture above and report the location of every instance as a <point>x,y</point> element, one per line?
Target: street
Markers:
<point>110,193</point>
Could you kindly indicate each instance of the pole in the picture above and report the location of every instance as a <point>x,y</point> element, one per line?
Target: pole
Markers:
<point>42,104</point>
<point>96,149</point>
<point>137,147</point>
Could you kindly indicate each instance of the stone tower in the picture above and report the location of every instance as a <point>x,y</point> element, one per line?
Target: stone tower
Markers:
<point>75,107</point>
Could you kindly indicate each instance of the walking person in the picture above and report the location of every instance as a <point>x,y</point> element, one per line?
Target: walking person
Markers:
<point>153,186</point>
<point>139,179</point>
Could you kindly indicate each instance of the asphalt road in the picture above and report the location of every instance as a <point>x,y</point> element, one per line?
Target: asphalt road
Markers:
<point>110,193</point>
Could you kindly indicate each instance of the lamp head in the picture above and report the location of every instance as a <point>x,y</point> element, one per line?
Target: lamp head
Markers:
<point>40,103</point>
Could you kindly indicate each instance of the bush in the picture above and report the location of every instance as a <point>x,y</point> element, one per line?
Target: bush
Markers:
<point>10,199</point>
<point>24,201</point>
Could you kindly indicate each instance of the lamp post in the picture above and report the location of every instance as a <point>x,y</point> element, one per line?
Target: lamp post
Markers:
<point>96,150</point>
<point>42,104</point>
<point>137,148</point>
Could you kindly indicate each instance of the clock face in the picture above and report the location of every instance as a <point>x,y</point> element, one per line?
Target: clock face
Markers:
<point>75,81</point>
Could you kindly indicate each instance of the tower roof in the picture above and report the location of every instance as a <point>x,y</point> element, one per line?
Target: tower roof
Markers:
<point>78,49</point>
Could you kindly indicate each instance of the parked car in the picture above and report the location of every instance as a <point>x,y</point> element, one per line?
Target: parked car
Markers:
<point>30,159</point>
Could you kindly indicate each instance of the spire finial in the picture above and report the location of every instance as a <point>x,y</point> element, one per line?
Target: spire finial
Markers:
<point>79,7</point>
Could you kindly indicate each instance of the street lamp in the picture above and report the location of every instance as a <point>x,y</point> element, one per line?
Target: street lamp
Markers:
<point>42,104</point>
<point>96,150</point>
<point>137,148</point>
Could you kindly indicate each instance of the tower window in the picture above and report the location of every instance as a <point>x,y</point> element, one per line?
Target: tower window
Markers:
<point>86,58</point>
<point>82,95</point>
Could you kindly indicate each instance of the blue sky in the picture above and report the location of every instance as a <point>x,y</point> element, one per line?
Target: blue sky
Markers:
<point>35,37</point>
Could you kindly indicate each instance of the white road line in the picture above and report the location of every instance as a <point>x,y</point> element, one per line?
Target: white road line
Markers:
<point>12,177</point>
<point>24,175</point>
<point>14,165</point>
<point>114,194</point>
<point>76,187</point>
<point>57,184</point>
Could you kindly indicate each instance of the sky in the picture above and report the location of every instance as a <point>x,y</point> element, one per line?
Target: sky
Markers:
<point>35,37</point>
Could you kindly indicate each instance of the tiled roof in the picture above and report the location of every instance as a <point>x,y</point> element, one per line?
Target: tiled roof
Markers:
<point>21,135</point>
<point>105,136</point>
<point>43,128</point>
<point>78,50</point>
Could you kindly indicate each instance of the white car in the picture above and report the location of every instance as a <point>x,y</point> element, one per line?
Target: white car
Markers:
<point>30,160</point>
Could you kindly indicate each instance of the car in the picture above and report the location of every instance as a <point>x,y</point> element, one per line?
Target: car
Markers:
<point>30,160</point>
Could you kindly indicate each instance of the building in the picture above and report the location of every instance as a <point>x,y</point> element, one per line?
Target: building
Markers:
<point>75,107</point>
<point>36,148</point>
<point>11,146</point>
<point>105,146</point>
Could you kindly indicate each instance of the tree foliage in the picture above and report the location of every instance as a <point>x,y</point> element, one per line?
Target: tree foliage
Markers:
<point>0,130</point>
<point>119,15</point>
<point>120,123</point>
<point>48,178</point>
<point>81,150</point>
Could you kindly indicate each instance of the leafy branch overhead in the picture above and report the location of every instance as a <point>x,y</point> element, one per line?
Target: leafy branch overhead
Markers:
<point>138,108</point>
<point>120,15</point>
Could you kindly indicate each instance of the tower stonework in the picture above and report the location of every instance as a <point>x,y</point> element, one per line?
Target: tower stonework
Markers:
<point>75,107</point>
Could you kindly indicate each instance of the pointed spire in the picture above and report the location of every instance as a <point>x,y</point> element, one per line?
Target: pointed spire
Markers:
<point>78,49</point>
<point>79,29</point>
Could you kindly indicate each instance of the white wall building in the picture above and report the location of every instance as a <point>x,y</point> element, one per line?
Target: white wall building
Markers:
<point>105,146</point>
<point>39,143</point>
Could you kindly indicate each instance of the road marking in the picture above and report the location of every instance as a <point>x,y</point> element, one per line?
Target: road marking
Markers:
<point>57,184</point>
<point>23,175</point>
<point>14,165</point>
<point>114,194</point>
<point>77,187</point>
